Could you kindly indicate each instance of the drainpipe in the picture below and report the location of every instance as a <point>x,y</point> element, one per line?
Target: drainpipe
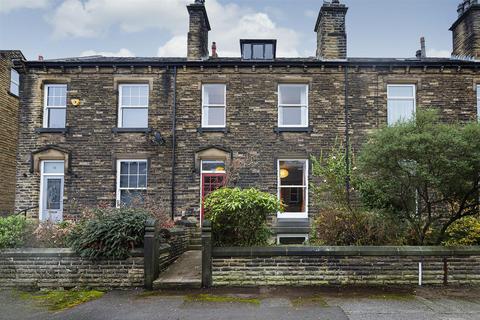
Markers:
<point>174,139</point>
<point>347,137</point>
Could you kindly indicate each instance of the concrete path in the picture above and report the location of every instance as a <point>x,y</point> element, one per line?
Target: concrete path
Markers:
<point>185,272</point>
<point>267,303</point>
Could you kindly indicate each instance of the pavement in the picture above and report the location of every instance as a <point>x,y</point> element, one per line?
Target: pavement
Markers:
<point>268,303</point>
<point>185,272</point>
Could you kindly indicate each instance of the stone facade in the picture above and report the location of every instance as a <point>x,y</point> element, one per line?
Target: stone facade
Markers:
<point>352,91</point>
<point>9,105</point>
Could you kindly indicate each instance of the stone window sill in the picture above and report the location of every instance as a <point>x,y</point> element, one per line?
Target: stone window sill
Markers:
<point>52,130</point>
<point>293,129</point>
<point>13,94</point>
<point>202,130</point>
<point>132,130</point>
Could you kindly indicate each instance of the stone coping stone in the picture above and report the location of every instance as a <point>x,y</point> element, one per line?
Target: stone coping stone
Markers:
<point>219,252</point>
<point>52,252</point>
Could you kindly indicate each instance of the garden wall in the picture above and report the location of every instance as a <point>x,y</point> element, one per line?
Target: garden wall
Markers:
<point>38,268</point>
<point>53,268</point>
<point>302,266</point>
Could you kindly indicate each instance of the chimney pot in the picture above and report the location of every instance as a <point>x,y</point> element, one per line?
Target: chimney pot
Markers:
<point>423,49</point>
<point>214,50</point>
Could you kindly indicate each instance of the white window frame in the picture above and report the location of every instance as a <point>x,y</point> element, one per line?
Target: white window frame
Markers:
<point>44,175</point>
<point>293,215</point>
<point>478,102</point>
<point>118,189</point>
<point>121,107</point>
<point>13,83</point>
<point>303,108</point>
<point>414,87</point>
<point>205,107</point>
<point>290,235</point>
<point>46,107</point>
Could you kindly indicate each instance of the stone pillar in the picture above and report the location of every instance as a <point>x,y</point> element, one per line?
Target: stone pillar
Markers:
<point>150,251</point>
<point>206,254</point>
<point>331,33</point>
<point>197,43</point>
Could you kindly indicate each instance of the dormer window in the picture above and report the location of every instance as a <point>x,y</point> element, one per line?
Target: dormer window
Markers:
<point>258,49</point>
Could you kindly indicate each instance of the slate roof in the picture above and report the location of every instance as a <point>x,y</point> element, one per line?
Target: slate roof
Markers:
<point>102,61</point>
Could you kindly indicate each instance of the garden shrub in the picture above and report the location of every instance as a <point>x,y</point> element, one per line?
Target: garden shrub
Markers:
<point>239,216</point>
<point>109,232</point>
<point>464,232</point>
<point>341,219</point>
<point>48,234</point>
<point>341,227</point>
<point>12,231</point>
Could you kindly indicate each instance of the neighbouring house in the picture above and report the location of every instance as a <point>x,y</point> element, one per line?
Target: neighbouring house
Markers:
<point>101,129</point>
<point>9,106</point>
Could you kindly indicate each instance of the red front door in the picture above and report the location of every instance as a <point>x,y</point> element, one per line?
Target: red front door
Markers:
<point>210,183</point>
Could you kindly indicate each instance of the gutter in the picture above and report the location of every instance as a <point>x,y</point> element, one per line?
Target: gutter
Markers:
<point>174,139</point>
<point>240,63</point>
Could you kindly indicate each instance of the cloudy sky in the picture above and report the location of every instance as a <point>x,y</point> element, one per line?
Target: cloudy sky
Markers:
<point>67,28</point>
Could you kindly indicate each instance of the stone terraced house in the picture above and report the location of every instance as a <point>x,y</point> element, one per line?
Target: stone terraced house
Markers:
<point>9,106</point>
<point>99,129</point>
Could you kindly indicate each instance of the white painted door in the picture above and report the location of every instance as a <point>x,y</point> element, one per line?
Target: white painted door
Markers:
<point>51,207</point>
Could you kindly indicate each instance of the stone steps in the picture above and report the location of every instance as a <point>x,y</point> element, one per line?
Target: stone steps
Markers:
<point>195,247</point>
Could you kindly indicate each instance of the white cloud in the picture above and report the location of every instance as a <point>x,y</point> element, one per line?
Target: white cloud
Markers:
<point>434,53</point>
<point>10,5</point>
<point>229,22</point>
<point>120,53</point>
<point>94,18</point>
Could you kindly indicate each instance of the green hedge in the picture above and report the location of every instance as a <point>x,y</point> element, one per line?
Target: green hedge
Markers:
<point>239,217</point>
<point>13,231</point>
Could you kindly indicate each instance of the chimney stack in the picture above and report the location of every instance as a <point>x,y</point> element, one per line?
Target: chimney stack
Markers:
<point>197,43</point>
<point>466,30</point>
<point>331,33</point>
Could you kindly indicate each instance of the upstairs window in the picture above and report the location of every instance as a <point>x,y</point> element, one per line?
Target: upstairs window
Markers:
<point>258,49</point>
<point>14,82</point>
<point>214,105</point>
<point>55,106</point>
<point>401,103</point>
<point>293,105</point>
<point>133,106</point>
